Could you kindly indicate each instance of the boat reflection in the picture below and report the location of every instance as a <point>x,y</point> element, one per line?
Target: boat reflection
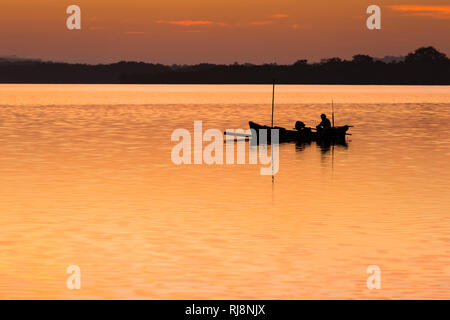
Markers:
<point>328,145</point>
<point>324,145</point>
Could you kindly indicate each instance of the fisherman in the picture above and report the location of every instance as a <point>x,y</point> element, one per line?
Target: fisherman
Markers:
<point>325,124</point>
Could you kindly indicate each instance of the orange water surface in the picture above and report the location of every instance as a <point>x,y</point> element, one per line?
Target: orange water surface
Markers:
<point>87,179</point>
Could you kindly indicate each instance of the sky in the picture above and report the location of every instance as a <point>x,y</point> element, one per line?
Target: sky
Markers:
<point>218,31</point>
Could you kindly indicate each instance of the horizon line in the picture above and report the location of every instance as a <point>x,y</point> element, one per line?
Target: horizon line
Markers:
<point>13,57</point>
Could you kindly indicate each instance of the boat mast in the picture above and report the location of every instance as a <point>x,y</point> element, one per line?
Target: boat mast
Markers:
<point>273,99</point>
<point>332,111</point>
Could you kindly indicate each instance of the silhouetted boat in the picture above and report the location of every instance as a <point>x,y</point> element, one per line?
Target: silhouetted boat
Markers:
<point>334,135</point>
<point>306,134</point>
<point>302,133</point>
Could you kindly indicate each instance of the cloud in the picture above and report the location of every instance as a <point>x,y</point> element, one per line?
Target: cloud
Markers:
<point>437,12</point>
<point>261,23</point>
<point>186,23</point>
<point>279,16</point>
<point>192,31</point>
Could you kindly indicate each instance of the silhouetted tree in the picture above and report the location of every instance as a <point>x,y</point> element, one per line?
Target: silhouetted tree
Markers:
<point>362,59</point>
<point>301,62</point>
<point>331,61</point>
<point>426,55</point>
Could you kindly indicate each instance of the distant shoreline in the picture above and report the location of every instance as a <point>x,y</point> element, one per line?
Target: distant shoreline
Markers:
<point>425,66</point>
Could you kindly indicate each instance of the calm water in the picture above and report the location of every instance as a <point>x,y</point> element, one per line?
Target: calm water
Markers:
<point>87,179</point>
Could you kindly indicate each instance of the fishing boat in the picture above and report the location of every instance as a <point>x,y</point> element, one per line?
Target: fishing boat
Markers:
<point>301,133</point>
<point>334,134</point>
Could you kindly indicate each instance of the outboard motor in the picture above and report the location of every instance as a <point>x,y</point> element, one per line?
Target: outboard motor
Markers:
<point>299,125</point>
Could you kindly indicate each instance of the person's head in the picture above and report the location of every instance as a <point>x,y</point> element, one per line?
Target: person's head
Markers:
<point>323,116</point>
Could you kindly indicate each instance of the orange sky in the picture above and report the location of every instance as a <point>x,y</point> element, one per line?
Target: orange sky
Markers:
<point>180,31</point>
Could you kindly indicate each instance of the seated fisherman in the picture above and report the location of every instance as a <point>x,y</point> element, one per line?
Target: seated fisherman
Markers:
<point>325,124</point>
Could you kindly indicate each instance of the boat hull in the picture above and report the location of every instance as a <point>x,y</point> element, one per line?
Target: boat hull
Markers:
<point>331,134</point>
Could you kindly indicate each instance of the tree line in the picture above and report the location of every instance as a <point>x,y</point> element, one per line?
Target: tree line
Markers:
<point>424,66</point>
